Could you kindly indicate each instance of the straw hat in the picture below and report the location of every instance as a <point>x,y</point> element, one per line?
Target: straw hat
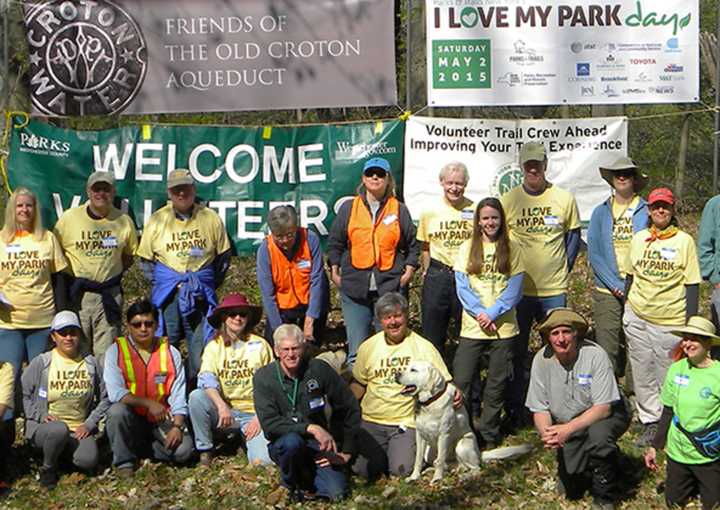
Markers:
<point>564,317</point>
<point>698,326</point>
<point>624,163</point>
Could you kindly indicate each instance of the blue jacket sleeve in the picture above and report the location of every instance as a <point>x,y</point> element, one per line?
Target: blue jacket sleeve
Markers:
<point>508,298</point>
<point>598,253</point>
<point>208,380</point>
<point>177,399</point>
<point>572,246</point>
<point>267,288</point>
<point>469,300</point>
<point>318,280</point>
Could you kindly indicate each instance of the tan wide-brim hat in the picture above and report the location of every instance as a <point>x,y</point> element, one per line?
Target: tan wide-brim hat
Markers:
<point>564,317</point>
<point>624,163</point>
<point>698,326</point>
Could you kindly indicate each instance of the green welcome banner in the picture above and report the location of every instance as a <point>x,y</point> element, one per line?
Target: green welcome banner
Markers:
<point>241,173</point>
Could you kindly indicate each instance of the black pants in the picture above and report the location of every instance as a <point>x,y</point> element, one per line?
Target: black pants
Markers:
<point>496,355</point>
<point>7,438</point>
<point>593,453</point>
<point>439,304</point>
<point>686,480</point>
<point>297,316</point>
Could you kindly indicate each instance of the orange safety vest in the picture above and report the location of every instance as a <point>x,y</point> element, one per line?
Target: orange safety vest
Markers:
<point>153,380</point>
<point>374,245</point>
<point>291,277</point>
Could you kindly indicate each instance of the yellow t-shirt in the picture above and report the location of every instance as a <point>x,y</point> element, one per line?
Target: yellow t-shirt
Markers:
<point>234,366</point>
<point>661,270</point>
<point>94,248</point>
<point>25,269</point>
<point>539,224</point>
<point>7,384</point>
<point>375,367</point>
<point>183,245</point>
<point>621,235</point>
<point>488,286</point>
<point>69,388</point>
<point>445,228</point>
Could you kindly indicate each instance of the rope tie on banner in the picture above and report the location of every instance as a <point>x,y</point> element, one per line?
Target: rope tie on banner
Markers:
<point>404,116</point>
<point>4,152</point>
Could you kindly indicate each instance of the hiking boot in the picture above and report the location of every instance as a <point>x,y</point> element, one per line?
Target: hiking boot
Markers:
<point>647,436</point>
<point>48,478</point>
<point>206,458</point>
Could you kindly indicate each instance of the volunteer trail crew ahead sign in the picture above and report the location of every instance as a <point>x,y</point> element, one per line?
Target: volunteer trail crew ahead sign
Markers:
<point>159,56</point>
<point>241,173</point>
<point>511,52</point>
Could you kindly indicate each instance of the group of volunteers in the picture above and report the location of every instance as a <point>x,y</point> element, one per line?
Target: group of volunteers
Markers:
<point>490,269</point>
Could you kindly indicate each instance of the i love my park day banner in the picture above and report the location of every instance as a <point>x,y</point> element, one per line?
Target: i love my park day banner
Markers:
<point>241,172</point>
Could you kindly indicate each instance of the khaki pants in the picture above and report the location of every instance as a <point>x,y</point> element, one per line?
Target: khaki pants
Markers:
<point>98,332</point>
<point>649,347</point>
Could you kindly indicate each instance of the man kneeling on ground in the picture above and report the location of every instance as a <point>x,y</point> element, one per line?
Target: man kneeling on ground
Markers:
<point>291,395</point>
<point>577,408</point>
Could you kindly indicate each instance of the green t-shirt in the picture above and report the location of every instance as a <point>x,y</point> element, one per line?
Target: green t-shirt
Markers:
<point>694,395</point>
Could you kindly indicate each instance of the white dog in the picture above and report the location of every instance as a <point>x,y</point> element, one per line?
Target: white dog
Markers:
<point>439,426</point>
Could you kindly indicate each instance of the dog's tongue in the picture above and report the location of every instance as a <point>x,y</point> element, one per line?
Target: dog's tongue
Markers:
<point>408,389</point>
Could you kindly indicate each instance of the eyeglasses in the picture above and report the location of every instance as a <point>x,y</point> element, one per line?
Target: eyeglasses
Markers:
<point>375,172</point>
<point>139,324</point>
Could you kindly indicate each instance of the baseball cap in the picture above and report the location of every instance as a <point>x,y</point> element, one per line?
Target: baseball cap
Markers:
<point>661,195</point>
<point>381,163</point>
<point>101,176</point>
<point>179,177</point>
<point>532,151</point>
<point>64,319</point>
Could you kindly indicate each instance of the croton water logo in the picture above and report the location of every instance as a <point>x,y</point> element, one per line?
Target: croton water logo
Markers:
<point>507,177</point>
<point>86,58</point>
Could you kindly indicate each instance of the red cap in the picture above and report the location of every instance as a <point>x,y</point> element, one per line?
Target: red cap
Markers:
<point>661,195</point>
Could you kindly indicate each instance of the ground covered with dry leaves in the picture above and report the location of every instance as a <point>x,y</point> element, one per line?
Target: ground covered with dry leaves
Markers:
<point>230,483</point>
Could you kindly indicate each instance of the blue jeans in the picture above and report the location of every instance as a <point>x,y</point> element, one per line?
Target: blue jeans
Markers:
<point>295,456</point>
<point>358,316</point>
<point>529,309</point>
<point>191,329</point>
<point>18,345</point>
<point>204,417</point>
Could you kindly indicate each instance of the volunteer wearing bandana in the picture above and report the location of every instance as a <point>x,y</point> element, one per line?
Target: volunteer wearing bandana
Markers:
<point>99,242</point>
<point>64,399</point>
<point>441,230</point>
<point>689,427</point>
<point>223,401</point>
<point>372,250</point>
<point>662,291</point>
<point>185,253</point>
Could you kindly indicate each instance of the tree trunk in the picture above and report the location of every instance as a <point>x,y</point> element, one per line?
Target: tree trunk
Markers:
<point>682,161</point>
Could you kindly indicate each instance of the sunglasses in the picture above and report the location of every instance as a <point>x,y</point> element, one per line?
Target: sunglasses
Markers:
<point>236,313</point>
<point>375,172</point>
<point>625,173</point>
<point>139,324</point>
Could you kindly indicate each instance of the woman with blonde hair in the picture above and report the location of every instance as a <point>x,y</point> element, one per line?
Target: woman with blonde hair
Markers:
<point>488,276</point>
<point>30,289</point>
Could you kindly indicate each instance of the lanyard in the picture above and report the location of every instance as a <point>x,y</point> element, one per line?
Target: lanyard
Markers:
<point>291,398</point>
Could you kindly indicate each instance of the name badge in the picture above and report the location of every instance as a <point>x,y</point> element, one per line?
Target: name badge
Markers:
<point>682,380</point>
<point>584,379</point>
<point>42,393</point>
<point>160,378</point>
<point>389,219</point>
<point>254,346</point>
<point>467,214</point>
<point>552,220</point>
<point>196,251</point>
<point>668,253</point>
<point>317,403</point>
<point>109,242</point>
<point>13,248</point>
<point>303,264</point>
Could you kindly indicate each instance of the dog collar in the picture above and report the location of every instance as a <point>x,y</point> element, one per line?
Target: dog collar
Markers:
<point>436,396</point>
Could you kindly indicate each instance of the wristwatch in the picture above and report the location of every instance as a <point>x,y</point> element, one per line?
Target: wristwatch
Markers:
<point>182,428</point>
